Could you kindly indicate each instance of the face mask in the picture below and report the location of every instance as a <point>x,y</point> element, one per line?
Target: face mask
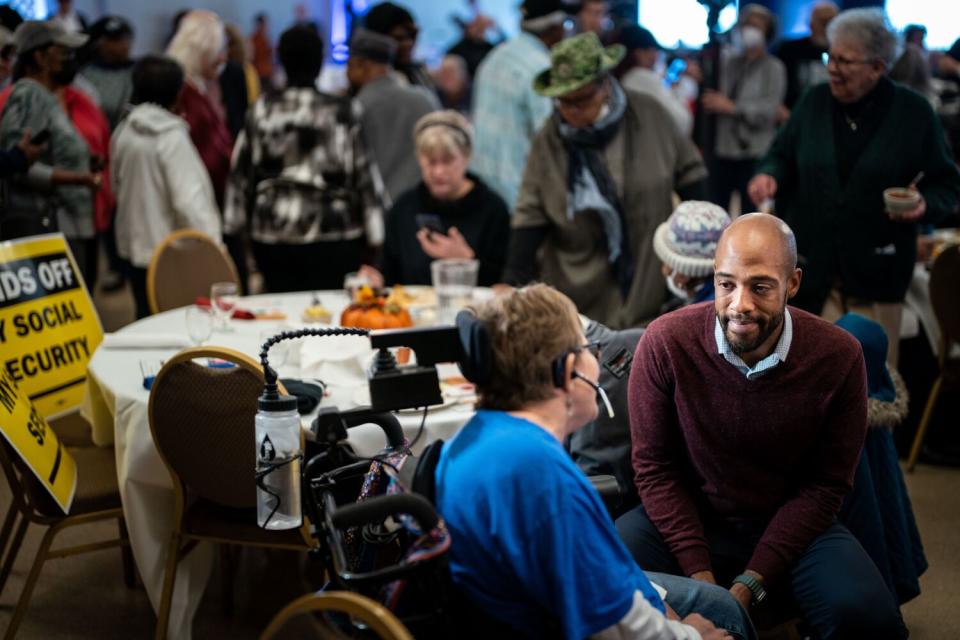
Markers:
<point>660,66</point>
<point>752,38</point>
<point>680,292</point>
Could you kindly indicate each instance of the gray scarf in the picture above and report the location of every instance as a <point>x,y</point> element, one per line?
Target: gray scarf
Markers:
<point>590,186</point>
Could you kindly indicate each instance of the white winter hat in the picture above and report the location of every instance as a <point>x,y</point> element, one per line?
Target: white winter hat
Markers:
<point>687,241</point>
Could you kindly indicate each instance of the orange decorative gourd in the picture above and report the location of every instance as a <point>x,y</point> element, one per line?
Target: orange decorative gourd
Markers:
<point>370,311</point>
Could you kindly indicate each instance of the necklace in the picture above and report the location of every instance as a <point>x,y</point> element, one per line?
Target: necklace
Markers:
<point>850,121</point>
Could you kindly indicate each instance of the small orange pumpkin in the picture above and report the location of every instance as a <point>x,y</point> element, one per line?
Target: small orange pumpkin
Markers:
<point>370,311</point>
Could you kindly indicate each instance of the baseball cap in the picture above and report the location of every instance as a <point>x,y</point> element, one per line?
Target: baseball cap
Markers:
<point>34,34</point>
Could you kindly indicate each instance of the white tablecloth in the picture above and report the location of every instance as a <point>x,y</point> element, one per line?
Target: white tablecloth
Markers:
<point>116,406</point>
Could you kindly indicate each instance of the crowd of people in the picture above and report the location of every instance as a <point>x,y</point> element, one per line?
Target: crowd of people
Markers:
<point>593,160</point>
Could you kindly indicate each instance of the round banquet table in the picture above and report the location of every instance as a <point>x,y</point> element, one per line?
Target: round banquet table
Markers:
<point>115,404</point>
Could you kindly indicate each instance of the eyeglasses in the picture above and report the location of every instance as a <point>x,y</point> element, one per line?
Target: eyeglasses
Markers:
<point>595,348</point>
<point>843,63</point>
<point>581,102</point>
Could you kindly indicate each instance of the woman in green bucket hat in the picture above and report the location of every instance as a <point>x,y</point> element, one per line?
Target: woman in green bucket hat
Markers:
<point>599,180</point>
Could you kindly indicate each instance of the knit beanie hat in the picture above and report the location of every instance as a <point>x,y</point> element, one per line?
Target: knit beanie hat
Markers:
<point>687,241</point>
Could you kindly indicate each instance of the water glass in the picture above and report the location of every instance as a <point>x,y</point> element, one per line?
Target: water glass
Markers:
<point>199,324</point>
<point>454,282</point>
<point>352,283</point>
<point>223,300</point>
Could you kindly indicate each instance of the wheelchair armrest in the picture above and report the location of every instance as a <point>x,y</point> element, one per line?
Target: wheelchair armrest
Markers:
<point>606,486</point>
<point>378,508</point>
<point>609,490</point>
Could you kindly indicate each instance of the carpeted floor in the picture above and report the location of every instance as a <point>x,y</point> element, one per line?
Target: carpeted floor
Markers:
<point>85,596</point>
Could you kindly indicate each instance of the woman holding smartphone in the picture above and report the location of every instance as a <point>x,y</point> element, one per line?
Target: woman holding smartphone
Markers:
<point>450,214</point>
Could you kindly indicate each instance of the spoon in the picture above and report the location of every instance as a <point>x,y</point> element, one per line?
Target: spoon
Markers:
<point>913,183</point>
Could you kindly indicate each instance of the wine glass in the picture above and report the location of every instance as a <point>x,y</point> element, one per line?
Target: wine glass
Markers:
<point>223,300</point>
<point>353,281</point>
<point>199,323</point>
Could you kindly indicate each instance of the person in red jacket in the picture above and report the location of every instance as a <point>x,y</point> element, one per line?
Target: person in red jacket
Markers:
<point>200,46</point>
<point>747,418</point>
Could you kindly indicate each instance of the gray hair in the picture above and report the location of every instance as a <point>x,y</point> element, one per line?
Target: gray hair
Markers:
<point>868,27</point>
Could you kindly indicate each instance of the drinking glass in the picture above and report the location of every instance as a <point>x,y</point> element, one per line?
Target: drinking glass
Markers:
<point>352,283</point>
<point>453,281</point>
<point>199,323</point>
<point>223,300</point>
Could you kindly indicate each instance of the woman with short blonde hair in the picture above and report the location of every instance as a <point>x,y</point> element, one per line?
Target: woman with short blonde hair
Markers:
<point>199,45</point>
<point>443,133</point>
<point>450,214</point>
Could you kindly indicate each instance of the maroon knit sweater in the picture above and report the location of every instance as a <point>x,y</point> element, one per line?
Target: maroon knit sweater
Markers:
<point>781,448</point>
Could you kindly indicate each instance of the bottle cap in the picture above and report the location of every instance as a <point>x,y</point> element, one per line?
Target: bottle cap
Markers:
<point>274,402</point>
<point>270,399</point>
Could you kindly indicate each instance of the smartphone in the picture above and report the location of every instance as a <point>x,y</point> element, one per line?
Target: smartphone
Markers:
<point>431,222</point>
<point>675,71</point>
<point>40,138</point>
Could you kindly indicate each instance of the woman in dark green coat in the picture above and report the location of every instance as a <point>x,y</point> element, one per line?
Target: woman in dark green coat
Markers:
<point>845,142</point>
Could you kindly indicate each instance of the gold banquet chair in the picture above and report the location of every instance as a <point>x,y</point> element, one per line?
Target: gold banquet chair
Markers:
<point>97,498</point>
<point>944,279</point>
<point>373,615</point>
<point>202,422</point>
<point>183,267</point>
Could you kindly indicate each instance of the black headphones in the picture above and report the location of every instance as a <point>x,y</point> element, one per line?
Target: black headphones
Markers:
<point>477,362</point>
<point>559,370</point>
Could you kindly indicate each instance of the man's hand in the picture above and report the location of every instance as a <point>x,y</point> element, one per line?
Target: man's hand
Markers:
<point>439,246</point>
<point>705,628</point>
<point>372,274</point>
<point>742,594</point>
<point>92,180</point>
<point>783,114</point>
<point>913,215</point>
<point>669,612</point>
<point>761,188</point>
<point>716,102</point>
<point>32,151</point>
<point>705,576</point>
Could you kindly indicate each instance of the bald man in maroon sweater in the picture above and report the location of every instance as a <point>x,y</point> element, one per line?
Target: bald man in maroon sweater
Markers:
<point>747,419</point>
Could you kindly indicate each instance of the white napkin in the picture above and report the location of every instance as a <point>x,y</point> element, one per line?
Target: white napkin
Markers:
<point>145,341</point>
<point>337,360</point>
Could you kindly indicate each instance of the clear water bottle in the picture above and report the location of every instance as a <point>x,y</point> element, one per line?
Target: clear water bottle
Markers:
<point>277,429</point>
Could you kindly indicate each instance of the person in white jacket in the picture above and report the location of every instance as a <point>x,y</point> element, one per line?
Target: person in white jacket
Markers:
<point>643,50</point>
<point>158,177</point>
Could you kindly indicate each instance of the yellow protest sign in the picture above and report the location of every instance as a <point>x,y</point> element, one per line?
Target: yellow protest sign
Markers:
<point>30,435</point>
<point>49,328</point>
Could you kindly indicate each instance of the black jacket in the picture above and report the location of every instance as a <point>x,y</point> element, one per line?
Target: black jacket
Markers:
<point>480,216</point>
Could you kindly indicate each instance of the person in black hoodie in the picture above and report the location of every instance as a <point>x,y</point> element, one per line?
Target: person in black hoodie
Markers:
<point>450,214</point>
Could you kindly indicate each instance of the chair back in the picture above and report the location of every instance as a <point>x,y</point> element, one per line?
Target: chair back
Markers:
<point>202,421</point>
<point>183,267</point>
<point>944,279</point>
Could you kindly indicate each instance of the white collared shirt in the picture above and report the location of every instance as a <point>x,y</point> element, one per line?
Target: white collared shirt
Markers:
<point>778,355</point>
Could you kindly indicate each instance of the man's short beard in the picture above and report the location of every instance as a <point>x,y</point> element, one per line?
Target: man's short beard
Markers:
<point>767,330</point>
